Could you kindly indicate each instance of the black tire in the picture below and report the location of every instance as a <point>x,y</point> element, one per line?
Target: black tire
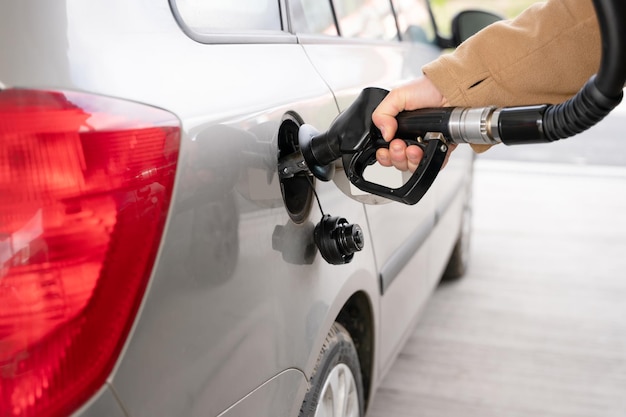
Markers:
<point>338,360</point>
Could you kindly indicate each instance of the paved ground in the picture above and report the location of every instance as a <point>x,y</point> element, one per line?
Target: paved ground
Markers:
<point>538,325</point>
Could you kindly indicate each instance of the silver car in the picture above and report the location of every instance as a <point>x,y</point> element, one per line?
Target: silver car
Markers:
<point>152,260</point>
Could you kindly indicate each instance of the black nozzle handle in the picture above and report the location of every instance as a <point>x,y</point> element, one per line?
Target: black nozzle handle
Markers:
<point>435,150</point>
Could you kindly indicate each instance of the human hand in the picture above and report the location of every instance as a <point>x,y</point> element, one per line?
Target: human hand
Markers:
<point>417,94</point>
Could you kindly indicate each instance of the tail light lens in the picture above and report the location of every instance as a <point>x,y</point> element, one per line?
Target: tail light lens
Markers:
<point>85,184</point>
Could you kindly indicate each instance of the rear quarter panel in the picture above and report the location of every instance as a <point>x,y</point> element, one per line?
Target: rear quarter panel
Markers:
<point>224,312</point>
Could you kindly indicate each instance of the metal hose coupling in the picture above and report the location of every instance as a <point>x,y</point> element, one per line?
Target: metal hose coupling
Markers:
<point>475,125</point>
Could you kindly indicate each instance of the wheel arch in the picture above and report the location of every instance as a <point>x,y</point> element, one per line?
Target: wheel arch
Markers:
<point>357,317</point>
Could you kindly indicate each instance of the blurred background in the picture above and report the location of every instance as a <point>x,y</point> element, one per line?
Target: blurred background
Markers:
<point>444,10</point>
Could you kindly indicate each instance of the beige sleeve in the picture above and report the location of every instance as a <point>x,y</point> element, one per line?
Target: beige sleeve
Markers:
<point>543,56</point>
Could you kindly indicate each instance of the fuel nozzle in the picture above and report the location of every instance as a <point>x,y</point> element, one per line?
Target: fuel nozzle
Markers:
<point>353,138</point>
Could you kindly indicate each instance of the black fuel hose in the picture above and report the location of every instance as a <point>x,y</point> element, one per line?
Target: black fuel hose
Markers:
<point>604,91</point>
<point>611,15</point>
<point>538,123</point>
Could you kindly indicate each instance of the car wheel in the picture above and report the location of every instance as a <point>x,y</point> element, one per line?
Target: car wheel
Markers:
<point>459,260</point>
<point>336,388</point>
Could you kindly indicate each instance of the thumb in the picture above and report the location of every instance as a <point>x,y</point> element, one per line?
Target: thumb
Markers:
<point>387,126</point>
<point>384,116</point>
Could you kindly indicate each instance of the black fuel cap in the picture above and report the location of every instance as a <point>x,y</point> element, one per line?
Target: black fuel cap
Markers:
<point>338,240</point>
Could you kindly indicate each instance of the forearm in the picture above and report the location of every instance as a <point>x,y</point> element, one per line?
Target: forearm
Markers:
<point>543,56</point>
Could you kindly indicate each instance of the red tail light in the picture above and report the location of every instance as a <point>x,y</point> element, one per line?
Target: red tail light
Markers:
<point>85,184</point>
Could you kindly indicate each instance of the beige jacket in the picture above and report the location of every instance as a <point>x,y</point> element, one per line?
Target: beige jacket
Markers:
<point>543,56</point>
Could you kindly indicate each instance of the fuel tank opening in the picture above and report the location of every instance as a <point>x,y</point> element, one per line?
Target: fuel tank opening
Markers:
<point>297,190</point>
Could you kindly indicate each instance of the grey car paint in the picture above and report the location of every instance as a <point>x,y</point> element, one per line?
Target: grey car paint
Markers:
<point>103,403</point>
<point>227,326</point>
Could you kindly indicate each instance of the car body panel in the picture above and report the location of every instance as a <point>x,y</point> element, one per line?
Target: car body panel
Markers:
<point>227,325</point>
<point>103,403</point>
<point>386,64</point>
<point>269,398</point>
